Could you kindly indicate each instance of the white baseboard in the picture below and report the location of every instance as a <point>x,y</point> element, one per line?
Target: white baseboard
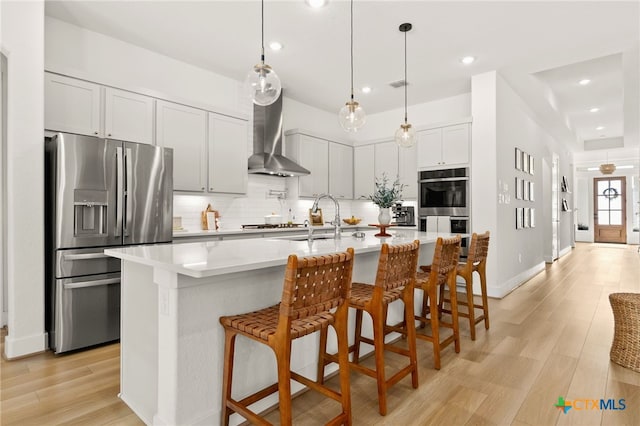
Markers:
<point>27,345</point>
<point>565,251</point>
<point>515,282</point>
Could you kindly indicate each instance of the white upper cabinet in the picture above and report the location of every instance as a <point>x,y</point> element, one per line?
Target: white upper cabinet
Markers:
<point>455,144</point>
<point>386,160</point>
<point>185,130</point>
<point>128,116</point>
<point>363,172</point>
<point>445,146</point>
<point>429,148</point>
<point>228,146</point>
<point>408,171</point>
<point>71,105</point>
<point>313,154</point>
<point>340,170</point>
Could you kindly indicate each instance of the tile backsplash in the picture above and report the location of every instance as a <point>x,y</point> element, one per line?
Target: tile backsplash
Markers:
<point>251,208</point>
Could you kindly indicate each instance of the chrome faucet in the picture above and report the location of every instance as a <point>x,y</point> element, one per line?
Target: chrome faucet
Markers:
<point>308,225</point>
<point>336,220</point>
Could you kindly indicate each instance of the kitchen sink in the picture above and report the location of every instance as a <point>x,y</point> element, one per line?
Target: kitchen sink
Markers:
<point>305,237</point>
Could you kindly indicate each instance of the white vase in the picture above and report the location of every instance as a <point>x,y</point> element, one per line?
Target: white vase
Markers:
<point>384,217</point>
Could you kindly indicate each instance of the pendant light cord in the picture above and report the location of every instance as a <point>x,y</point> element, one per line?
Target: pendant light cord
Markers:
<point>352,50</point>
<point>262,30</point>
<point>406,83</point>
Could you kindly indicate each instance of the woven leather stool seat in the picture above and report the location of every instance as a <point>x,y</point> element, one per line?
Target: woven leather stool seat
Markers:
<point>362,293</point>
<point>263,323</point>
<point>625,348</point>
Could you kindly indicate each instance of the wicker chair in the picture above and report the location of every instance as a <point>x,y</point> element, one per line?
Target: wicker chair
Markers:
<point>395,279</point>
<point>625,349</point>
<point>476,262</point>
<point>442,271</point>
<point>315,295</point>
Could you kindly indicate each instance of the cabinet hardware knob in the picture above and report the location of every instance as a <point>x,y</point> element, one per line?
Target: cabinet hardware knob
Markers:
<point>95,133</point>
<point>109,134</point>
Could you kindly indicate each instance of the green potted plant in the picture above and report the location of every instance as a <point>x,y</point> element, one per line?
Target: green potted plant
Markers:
<point>385,196</point>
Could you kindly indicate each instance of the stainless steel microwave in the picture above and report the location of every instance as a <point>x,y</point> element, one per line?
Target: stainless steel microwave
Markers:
<point>444,192</point>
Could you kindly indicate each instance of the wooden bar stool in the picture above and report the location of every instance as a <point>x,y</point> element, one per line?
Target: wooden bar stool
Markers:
<point>315,294</point>
<point>442,271</point>
<point>395,279</point>
<point>476,262</point>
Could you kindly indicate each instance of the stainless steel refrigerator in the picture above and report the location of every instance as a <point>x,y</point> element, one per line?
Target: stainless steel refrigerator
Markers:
<point>99,193</point>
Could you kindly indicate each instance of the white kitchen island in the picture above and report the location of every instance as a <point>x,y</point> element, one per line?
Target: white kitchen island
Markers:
<point>172,296</point>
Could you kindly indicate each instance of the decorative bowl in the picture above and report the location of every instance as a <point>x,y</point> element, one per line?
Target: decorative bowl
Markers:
<point>352,220</point>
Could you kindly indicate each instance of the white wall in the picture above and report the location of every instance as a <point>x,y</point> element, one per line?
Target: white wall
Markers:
<point>502,122</point>
<point>383,125</point>
<point>485,186</point>
<point>22,41</point>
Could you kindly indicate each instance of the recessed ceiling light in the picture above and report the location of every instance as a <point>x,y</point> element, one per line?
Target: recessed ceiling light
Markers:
<point>468,60</point>
<point>594,110</point>
<point>366,89</point>
<point>316,4</point>
<point>275,45</point>
<point>599,127</point>
<point>584,82</point>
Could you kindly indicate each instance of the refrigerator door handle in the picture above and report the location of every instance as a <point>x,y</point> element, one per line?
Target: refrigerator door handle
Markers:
<point>127,199</point>
<point>119,189</point>
<point>94,283</point>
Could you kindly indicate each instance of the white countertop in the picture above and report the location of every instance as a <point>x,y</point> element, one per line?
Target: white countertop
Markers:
<point>236,231</point>
<point>203,259</point>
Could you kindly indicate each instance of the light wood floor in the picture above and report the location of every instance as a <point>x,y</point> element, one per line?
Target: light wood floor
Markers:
<point>549,338</point>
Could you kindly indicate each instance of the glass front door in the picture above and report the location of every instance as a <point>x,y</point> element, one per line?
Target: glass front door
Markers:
<point>610,210</point>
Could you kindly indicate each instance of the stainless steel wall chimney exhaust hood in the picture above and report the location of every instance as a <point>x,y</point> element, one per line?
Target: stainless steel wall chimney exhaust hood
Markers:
<point>267,155</point>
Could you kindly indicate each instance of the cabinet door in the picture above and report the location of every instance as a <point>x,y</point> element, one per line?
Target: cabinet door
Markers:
<point>227,154</point>
<point>71,105</point>
<point>386,160</point>
<point>408,171</point>
<point>455,144</point>
<point>430,148</point>
<point>314,156</point>
<point>340,170</point>
<point>363,171</point>
<point>128,116</point>
<point>185,130</point>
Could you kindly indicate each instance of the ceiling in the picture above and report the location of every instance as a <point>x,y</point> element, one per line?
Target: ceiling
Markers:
<point>554,44</point>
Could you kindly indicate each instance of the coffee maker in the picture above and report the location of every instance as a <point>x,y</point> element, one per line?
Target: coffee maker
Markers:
<point>403,215</point>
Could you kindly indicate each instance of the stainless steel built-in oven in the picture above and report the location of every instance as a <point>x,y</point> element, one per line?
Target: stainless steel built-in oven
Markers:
<point>444,199</point>
<point>444,192</point>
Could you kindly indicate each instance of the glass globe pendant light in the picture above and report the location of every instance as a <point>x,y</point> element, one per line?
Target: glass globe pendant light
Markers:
<point>406,135</point>
<point>262,83</point>
<point>351,115</point>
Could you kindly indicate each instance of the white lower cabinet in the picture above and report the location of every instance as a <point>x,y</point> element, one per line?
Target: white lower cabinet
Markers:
<point>363,171</point>
<point>340,171</point>
<point>185,130</point>
<point>128,116</point>
<point>72,105</point>
<point>228,155</point>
